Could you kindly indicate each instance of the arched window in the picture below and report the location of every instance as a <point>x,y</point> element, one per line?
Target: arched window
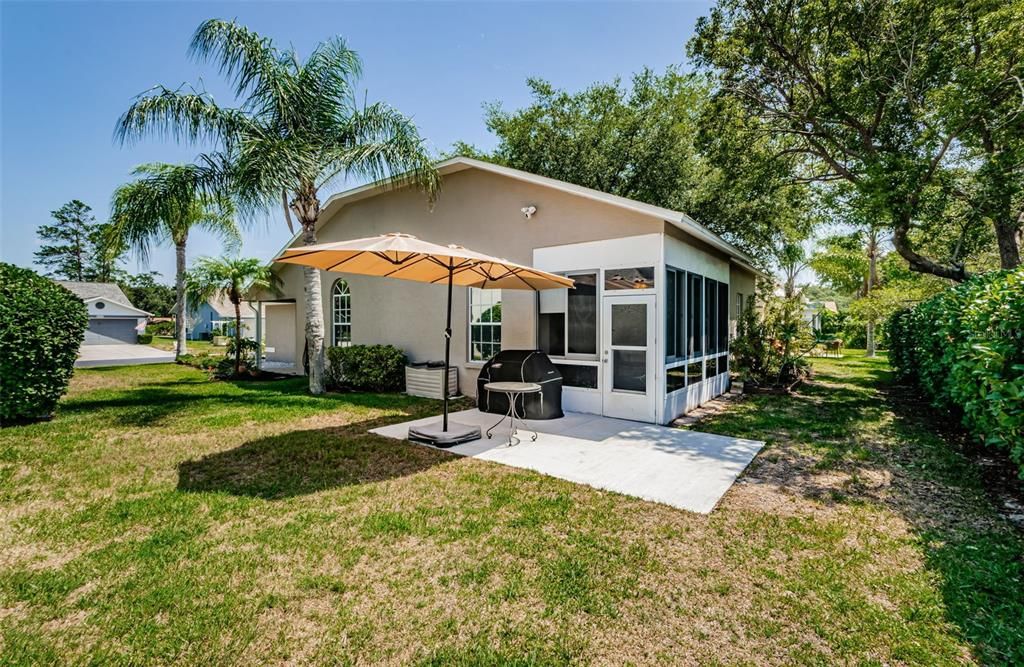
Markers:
<point>341,313</point>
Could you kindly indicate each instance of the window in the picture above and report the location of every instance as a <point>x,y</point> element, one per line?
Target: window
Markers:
<point>676,340</point>
<point>723,318</point>
<point>341,313</point>
<point>675,378</point>
<point>582,320</point>
<point>636,278</point>
<point>484,323</point>
<point>694,315</point>
<point>567,321</point>
<point>710,316</point>
<point>578,375</point>
<point>694,372</point>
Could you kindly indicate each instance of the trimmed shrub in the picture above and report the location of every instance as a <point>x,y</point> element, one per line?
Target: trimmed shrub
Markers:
<point>367,367</point>
<point>41,328</point>
<point>203,361</point>
<point>160,328</point>
<point>965,349</point>
<point>145,339</point>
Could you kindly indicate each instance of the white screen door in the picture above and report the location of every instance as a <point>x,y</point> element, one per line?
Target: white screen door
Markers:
<point>627,356</point>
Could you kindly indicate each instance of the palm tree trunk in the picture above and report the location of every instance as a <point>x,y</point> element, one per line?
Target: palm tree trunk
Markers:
<point>306,207</point>
<point>180,347</point>
<point>238,339</point>
<point>314,316</point>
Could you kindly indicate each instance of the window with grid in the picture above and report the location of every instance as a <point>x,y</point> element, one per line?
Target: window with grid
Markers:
<point>484,323</point>
<point>341,313</point>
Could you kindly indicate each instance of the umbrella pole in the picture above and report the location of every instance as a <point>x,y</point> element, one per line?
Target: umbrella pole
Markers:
<point>447,348</point>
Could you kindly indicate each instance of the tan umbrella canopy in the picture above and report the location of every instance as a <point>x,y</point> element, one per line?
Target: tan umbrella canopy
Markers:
<point>409,258</point>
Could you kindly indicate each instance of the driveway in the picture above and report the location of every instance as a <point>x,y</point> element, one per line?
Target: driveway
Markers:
<point>684,469</point>
<point>92,356</point>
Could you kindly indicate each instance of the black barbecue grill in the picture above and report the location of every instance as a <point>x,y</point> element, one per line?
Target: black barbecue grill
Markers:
<point>521,366</point>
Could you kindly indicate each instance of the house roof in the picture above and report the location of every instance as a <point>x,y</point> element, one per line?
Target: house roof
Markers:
<point>110,292</point>
<point>87,290</point>
<point>222,305</point>
<point>456,164</point>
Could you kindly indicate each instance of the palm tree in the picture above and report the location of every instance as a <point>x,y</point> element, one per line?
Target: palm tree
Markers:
<point>231,278</point>
<point>298,127</point>
<point>166,203</point>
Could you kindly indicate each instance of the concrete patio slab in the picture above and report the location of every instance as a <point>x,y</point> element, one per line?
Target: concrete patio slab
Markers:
<point>684,469</point>
<point>93,356</point>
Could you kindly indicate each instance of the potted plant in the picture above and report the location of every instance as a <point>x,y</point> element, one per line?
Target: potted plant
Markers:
<point>220,337</point>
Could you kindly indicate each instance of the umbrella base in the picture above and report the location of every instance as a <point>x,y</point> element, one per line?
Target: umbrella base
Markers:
<point>432,434</point>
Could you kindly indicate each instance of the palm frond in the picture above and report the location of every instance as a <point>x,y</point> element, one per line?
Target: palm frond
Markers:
<point>383,145</point>
<point>192,117</point>
<point>166,201</point>
<point>245,58</point>
<point>331,71</point>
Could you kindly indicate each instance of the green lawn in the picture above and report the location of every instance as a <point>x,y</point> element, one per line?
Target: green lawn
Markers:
<point>164,518</point>
<point>194,346</point>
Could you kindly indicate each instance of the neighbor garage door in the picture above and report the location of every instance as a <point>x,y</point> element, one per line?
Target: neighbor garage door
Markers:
<point>110,332</point>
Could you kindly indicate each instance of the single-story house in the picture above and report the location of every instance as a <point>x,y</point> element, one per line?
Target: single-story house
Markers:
<point>644,335</point>
<point>113,320</point>
<point>217,312</point>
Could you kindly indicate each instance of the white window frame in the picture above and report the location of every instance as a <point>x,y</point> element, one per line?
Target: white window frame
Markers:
<point>476,308</point>
<point>341,311</point>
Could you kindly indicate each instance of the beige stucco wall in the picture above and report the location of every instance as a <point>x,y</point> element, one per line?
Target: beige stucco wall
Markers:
<point>479,210</point>
<point>741,281</point>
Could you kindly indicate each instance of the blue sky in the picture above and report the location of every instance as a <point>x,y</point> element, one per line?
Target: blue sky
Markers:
<point>70,68</point>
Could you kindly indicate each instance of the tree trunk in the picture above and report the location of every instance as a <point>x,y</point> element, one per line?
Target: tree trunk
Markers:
<point>238,340</point>
<point>180,309</point>
<point>1008,238</point>
<point>918,262</point>
<point>307,209</point>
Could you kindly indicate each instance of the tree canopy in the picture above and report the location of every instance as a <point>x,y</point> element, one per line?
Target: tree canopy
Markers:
<point>76,247</point>
<point>664,140</point>
<point>886,96</point>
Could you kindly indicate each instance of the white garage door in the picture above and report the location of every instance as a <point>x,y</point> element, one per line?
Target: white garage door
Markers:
<point>110,332</point>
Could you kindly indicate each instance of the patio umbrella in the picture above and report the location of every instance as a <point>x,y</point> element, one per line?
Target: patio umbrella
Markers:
<point>409,258</point>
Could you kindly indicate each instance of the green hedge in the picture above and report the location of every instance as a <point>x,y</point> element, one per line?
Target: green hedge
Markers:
<point>367,367</point>
<point>41,327</point>
<point>965,349</point>
<point>145,339</point>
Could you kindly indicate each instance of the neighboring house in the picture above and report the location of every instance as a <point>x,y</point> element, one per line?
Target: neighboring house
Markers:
<point>113,319</point>
<point>814,310</point>
<point>218,312</point>
<point>644,335</point>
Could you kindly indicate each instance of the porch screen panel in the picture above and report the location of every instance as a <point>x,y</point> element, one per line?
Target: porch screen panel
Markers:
<point>671,351</point>
<point>723,318</point>
<point>710,315</point>
<point>582,315</point>
<point>694,315</point>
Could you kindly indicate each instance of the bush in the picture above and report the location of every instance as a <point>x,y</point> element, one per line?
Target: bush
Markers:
<point>965,349</point>
<point>145,339</point>
<point>770,347</point>
<point>367,367</point>
<point>41,328</point>
<point>249,347</point>
<point>160,328</point>
<point>202,361</point>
